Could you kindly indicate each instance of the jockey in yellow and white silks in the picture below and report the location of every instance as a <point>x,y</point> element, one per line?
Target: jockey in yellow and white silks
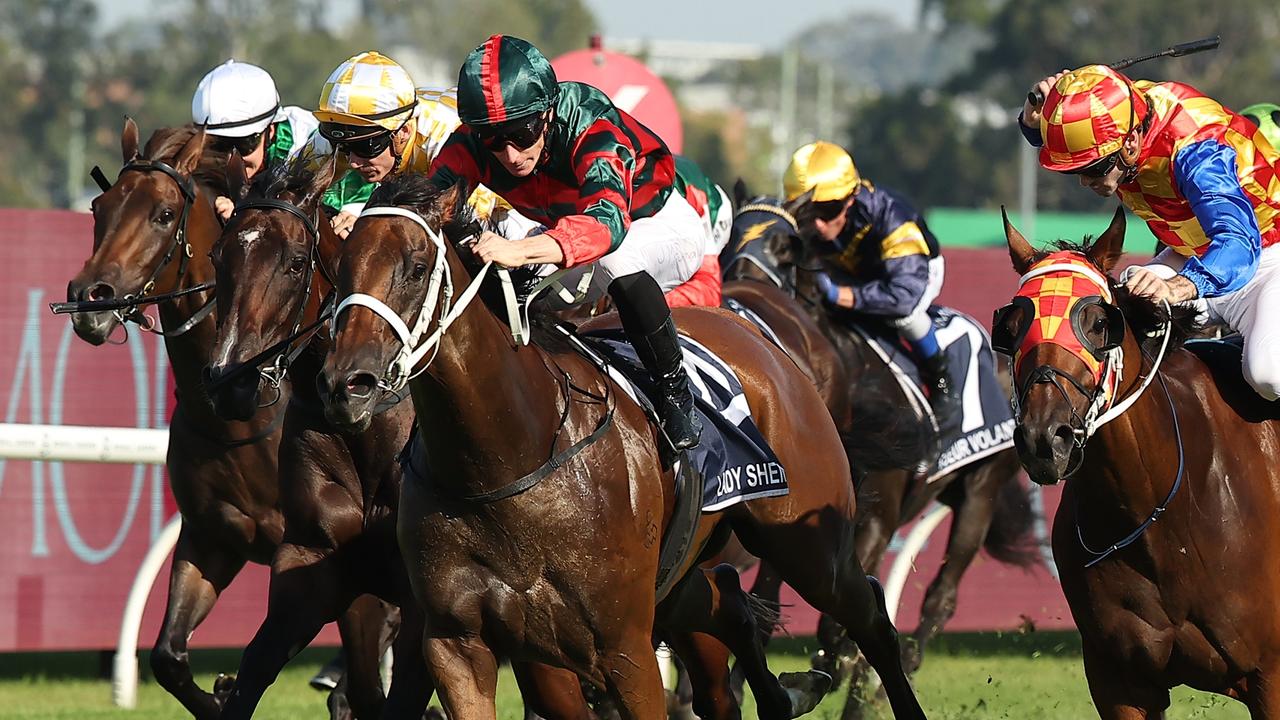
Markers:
<point>1206,181</point>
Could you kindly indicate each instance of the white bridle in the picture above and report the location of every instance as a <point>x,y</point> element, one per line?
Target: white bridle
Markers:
<point>1101,411</point>
<point>413,347</point>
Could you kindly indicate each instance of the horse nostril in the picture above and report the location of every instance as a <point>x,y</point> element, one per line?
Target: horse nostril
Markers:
<point>1063,437</point>
<point>361,384</point>
<point>100,291</point>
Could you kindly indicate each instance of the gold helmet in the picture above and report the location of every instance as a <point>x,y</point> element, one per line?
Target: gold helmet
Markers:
<point>824,168</point>
<point>368,90</point>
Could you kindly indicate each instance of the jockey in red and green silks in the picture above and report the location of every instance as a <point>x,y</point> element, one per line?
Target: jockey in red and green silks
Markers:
<point>601,182</point>
<point>713,206</point>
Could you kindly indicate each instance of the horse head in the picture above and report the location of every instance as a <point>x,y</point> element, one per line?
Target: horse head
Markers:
<point>265,264</point>
<point>765,243</point>
<point>397,265</point>
<point>147,226</point>
<point>1071,331</point>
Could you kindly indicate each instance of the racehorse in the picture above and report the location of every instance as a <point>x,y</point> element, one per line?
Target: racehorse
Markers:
<point>556,561</point>
<point>1163,538</point>
<point>338,491</point>
<point>991,509</point>
<point>152,233</point>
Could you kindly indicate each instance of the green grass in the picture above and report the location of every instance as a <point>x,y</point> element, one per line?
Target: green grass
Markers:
<point>965,677</point>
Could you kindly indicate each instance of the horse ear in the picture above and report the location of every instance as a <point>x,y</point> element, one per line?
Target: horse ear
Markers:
<point>189,157</point>
<point>322,180</point>
<point>237,176</point>
<point>129,140</point>
<point>740,194</point>
<point>449,204</point>
<point>1106,250</point>
<point>802,210</point>
<point>1020,251</point>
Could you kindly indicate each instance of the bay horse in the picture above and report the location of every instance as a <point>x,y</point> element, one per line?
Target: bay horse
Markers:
<point>1165,532</point>
<point>991,508</point>
<point>556,561</point>
<point>338,491</point>
<point>152,232</point>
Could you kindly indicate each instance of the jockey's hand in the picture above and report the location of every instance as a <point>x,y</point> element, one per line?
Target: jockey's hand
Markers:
<point>1147,284</point>
<point>541,249</point>
<point>834,294</point>
<point>1031,113</point>
<point>224,206</point>
<point>342,223</point>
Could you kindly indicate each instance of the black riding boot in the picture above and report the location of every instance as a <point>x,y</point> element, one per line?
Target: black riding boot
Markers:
<point>648,324</point>
<point>944,396</point>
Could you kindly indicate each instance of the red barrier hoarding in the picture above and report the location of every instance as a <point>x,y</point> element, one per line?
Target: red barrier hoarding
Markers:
<point>74,533</point>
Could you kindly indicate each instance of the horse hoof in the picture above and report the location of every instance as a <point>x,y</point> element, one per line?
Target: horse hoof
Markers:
<point>806,689</point>
<point>222,687</point>
<point>434,713</point>
<point>837,665</point>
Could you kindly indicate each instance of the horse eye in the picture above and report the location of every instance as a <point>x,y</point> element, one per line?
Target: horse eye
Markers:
<point>419,272</point>
<point>299,263</point>
<point>1099,324</point>
<point>165,217</point>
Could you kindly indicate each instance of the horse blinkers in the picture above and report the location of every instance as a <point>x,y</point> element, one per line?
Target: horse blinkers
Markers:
<point>1008,340</point>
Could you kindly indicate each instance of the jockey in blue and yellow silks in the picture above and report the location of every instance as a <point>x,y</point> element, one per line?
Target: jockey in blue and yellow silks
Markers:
<point>1205,180</point>
<point>887,264</point>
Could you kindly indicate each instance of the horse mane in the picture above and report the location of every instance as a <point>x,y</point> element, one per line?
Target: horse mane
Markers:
<point>291,176</point>
<point>165,144</point>
<point>1143,314</point>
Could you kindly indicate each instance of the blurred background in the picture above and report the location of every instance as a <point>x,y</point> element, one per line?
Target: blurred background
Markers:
<point>924,92</point>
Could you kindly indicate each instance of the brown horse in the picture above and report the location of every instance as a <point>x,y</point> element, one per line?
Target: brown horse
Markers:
<point>991,508</point>
<point>338,492</point>
<point>153,230</point>
<point>1163,539</point>
<point>556,561</point>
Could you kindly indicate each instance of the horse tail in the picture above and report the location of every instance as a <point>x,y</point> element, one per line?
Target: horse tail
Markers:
<point>1010,539</point>
<point>880,439</point>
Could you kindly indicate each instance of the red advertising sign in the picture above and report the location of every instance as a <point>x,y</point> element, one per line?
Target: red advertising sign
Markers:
<point>74,533</point>
<point>632,87</point>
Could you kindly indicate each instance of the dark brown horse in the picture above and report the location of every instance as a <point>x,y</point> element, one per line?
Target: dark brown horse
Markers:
<point>563,571</point>
<point>338,492</point>
<point>153,230</point>
<point>1164,537</point>
<point>990,505</point>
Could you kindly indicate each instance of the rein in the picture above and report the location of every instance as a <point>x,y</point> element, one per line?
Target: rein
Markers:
<point>132,303</point>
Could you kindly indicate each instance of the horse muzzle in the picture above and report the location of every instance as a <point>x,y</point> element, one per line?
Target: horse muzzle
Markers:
<point>234,391</point>
<point>1046,452</point>
<point>94,328</point>
<point>349,397</point>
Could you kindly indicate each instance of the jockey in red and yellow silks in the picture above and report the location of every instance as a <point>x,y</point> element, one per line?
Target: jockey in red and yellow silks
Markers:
<point>1205,180</point>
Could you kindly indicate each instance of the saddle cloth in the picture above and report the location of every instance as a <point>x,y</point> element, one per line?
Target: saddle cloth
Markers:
<point>986,424</point>
<point>733,458</point>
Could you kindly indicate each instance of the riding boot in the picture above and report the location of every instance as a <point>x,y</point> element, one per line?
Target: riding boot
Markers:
<point>659,351</point>
<point>944,396</point>
<point>648,324</point>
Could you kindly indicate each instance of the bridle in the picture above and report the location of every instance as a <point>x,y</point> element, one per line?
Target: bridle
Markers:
<point>280,355</point>
<point>128,307</point>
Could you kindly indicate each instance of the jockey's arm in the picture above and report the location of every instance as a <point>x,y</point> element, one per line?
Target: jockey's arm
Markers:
<point>602,165</point>
<point>897,292</point>
<point>1206,175</point>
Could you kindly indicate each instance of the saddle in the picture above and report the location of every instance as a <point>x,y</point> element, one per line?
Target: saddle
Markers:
<point>1225,359</point>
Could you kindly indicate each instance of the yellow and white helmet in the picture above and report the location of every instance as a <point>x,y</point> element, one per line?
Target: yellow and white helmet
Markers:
<point>367,90</point>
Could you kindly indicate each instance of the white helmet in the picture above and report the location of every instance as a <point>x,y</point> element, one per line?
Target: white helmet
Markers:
<point>235,99</point>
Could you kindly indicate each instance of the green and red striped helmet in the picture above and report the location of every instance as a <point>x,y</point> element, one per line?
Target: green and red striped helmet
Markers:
<point>505,79</point>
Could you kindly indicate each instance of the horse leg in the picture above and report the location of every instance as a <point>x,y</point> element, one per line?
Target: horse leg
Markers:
<point>551,693</point>
<point>1118,696</point>
<point>969,527</point>
<point>198,577</point>
<point>305,593</point>
<point>465,672</point>
<point>1263,697</point>
<point>705,659</point>
<point>632,678</point>
<point>361,627</point>
<point>411,686</point>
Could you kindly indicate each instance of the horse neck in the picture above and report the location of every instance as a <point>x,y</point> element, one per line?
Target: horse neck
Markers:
<point>485,408</point>
<point>191,351</point>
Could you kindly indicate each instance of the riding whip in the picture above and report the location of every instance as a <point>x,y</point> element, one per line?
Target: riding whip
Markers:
<point>1188,48</point>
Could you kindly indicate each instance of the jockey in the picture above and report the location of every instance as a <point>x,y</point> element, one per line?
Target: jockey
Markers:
<point>602,183</point>
<point>239,107</point>
<point>889,265</point>
<point>713,206</point>
<point>1267,117</point>
<point>381,126</point>
<point>1205,180</point>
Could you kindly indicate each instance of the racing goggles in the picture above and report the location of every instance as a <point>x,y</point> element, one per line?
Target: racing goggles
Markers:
<point>362,141</point>
<point>828,210</point>
<point>521,134</point>
<point>246,145</point>
<point>1098,168</point>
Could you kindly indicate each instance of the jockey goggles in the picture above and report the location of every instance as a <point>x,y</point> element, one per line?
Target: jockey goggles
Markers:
<point>367,142</point>
<point>521,134</point>
<point>1097,169</point>
<point>828,210</point>
<point>243,145</point>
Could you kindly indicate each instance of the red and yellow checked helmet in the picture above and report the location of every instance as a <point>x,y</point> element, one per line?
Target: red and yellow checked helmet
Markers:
<point>1086,116</point>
